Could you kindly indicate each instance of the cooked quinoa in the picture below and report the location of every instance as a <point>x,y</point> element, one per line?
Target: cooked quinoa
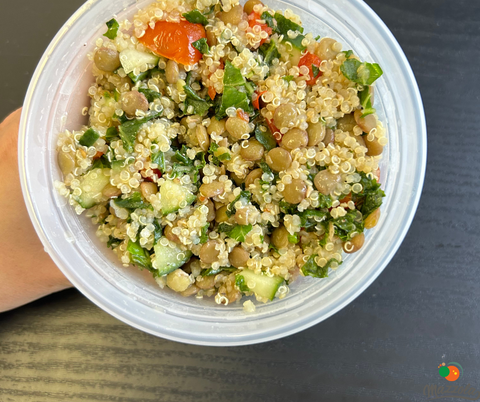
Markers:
<point>227,151</point>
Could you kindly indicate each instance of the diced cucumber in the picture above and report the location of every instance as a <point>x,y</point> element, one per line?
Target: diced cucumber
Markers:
<point>294,56</point>
<point>92,185</point>
<point>173,195</point>
<point>132,59</point>
<point>169,259</point>
<point>263,285</point>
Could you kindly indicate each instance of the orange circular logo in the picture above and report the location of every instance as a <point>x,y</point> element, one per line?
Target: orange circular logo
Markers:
<point>451,371</point>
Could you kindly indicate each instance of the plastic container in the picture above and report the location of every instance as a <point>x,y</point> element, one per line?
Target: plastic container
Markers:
<point>54,102</point>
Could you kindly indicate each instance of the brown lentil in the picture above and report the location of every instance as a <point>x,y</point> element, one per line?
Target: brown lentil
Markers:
<point>294,138</point>
<point>253,151</point>
<point>355,244</point>
<point>107,59</point>
<point>316,133</point>
<point>372,220</point>
<point>237,127</point>
<point>212,189</point>
<point>208,252</point>
<point>280,237</point>
<point>285,115</point>
<point>279,159</point>
<point>238,257</point>
<point>133,101</point>
<point>295,192</point>
<point>326,181</point>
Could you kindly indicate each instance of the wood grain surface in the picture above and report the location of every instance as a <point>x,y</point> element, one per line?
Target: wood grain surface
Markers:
<point>385,346</point>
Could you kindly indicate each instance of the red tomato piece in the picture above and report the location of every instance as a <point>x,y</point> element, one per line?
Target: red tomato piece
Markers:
<point>243,115</point>
<point>256,101</point>
<point>212,93</point>
<point>253,19</point>
<point>173,40</point>
<point>308,60</point>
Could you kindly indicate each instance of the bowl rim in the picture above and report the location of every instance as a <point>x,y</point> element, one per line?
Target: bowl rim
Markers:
<point>104,303</point>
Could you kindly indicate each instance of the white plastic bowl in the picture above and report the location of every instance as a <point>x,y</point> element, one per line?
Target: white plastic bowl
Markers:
<point>57,94</point>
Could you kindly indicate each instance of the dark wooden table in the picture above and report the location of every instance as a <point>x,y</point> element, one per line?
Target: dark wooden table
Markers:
<point>385,346</point>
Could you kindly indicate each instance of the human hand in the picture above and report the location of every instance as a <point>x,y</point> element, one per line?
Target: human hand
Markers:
<point>26,271</point>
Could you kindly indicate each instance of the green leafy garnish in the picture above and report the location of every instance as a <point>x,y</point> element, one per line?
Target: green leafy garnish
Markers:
<point>240,283</point>
<point>201,45</point>
<point>366,102</point>
<point>200,106</point>
<point>315,71</point>
<point>268,18</point>
<point>288,78</point>
<point>159,159</point>
<point>138,77</point>
<point>269,52</point>
<point>284,25</point>
<point>324,201</point>
<point>348,225</point>
<point>287,208</point>
<point>203,236</point>
<point>112,134</point>
<point>361,73</point>
<point>139,255</point>
<point>158,233</point>
<point>101,163</point>
<point>89,138</point>
<point>232,97</point>
<point>293,238</point>
<point>113,242</point>
<point>311,268</point>
<point>112,26</point>
<point>150,94</point>
<point>232,76</point>
<point>231,210</point>
<point>371,196</point>
<point>129,130</point>
<point>239,232</point>
<point>196,17</point>
<point>348,53</point>
<point>317,38</point>
<point>311,218</point>
<point>265,138</point>
<point>132,202</point>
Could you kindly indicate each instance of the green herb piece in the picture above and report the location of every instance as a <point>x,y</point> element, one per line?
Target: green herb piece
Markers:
<point>101,162</point>
<point>324,201</point>
<point>287,208</point>
<point>200,106</point>
<point>232,97</point>
<point>138,77</point>
<point>112,26</point>
<point>112,134</point>
<point>351,223</point>
<point>150,94</point>
<point>315,71</point>
<point>113,242</point>
<point>311,218</point>
<point>361,73</point>
<point>311,268</point>
<point>366,102</point>
<point>239,232</point>
<point>133,202</point>
<point>371,196</point>
<point>284,25</point>
<point>268,18</point>
<point>231,210</point>
<point>196,17</point>
<point>201,45</point>
<point>212,272</point>
<point>265,168</point>
<point>232,76</point>
<point>213,147</point>
<point>348,53</point>
<point>203,236</point>
<point>158,233</point>
<point>240,283</point>
<point>182,157</point>
<point>139,255</point>
<point>89,138</point>
<point>269,52</point>
<point>159,159</point>
<point>225,157</point>
<point>293,238</point>
<point>129,130</point>
<point>317,38</point>
<point>249,86</point>
<point>265,138</point>
<point>288,78</point>
<point>224,228</point>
